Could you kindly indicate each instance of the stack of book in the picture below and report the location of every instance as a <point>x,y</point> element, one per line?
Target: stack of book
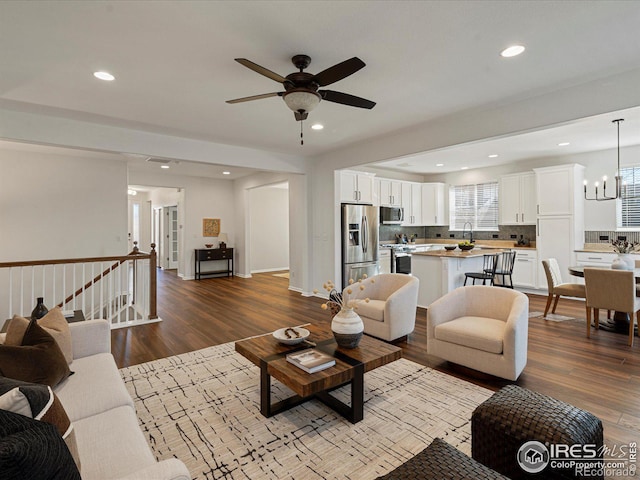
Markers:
<point>311,360</point>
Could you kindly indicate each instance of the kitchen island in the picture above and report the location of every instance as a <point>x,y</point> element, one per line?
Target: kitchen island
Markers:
<point>441,271</point>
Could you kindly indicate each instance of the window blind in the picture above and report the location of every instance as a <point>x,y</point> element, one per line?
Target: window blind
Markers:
<point>477,204</point>
<point>628,211</point>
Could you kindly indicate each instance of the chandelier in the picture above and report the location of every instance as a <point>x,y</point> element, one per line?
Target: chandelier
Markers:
<point>618,177</point>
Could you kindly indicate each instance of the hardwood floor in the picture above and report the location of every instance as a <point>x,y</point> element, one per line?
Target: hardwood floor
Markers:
<point>601,374</point>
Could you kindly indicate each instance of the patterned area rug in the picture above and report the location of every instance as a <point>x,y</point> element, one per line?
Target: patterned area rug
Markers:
<point>203,408</point>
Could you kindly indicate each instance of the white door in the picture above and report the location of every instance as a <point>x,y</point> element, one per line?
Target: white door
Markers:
<point>170,238</point>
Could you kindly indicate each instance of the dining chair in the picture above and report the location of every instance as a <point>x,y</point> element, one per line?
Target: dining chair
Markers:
<point>612,290</point>
<point>505,269</point>
<point>489,265</point>
<point>557,288</point>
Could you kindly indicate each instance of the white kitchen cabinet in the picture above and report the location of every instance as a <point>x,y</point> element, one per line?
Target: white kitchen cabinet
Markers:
<point>591,259</point>
<point>525,268</point>
<point>390,192</point>
<point>518,202</point>
<point>356,187</point>
<point>412,203</point>
<point>560,189</point>
<point>433,204</point>
<point>560,222</point>
<point>384,259</point>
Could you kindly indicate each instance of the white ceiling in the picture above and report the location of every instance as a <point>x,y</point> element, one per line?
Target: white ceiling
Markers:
<point>174,67</point>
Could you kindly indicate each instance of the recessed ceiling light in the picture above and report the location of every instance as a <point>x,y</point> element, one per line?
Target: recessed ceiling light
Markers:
<point>563,144</point>
<point>226,173</point>
<point>439,164</point>
<point>104,76</point>
<point>493,155</point>
<point>317,126</point>
<point>464,168</point>
<point>164,166</point>
<point>512,51</point>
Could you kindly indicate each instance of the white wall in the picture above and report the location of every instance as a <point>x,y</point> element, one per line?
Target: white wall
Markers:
<point>269,228</point>
<point>203,198</point>
<point>60,206</point>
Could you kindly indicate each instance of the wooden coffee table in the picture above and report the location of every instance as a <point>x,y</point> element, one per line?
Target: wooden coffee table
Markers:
<point>351,364</point>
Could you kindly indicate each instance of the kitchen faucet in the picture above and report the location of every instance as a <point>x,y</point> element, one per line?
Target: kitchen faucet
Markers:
<point>464,231</point>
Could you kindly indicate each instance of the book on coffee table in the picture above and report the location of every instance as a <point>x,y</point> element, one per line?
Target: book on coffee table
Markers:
<point>311,360</point>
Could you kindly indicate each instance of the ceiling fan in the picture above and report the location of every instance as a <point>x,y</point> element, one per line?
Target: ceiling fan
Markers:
<point>301,92</point>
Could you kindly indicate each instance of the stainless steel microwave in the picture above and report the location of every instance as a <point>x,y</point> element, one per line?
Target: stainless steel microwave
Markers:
<point>391,215</point>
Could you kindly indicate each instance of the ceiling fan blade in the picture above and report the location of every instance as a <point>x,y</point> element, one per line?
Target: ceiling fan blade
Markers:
<point>338,72</point>
<point>346,99</point>
<point>301,116</point>
<point>256,97</point>
<point>261,70</point>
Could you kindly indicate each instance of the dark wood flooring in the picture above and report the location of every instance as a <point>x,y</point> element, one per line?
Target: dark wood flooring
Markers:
<point>601,374</point>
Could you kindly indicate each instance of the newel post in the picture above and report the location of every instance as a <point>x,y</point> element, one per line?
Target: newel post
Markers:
<point>153,283</point>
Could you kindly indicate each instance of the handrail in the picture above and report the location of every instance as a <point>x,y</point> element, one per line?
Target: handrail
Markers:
<point>134,256</point>
<point>134,253</point>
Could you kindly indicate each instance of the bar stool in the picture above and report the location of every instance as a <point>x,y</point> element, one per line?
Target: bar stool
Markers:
<point>505,268</point>
<point>490,263</point>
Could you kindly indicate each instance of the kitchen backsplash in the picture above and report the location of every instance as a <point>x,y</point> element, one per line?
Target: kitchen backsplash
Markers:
<point>506,232</point>
<point>606,236</point>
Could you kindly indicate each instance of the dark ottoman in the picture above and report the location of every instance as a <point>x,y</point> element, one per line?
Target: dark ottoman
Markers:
<point>441,461</point>
<point>514,416</point>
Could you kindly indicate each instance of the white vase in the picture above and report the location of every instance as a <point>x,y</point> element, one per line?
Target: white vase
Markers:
<point>624,261</point>
<point>347,328</point>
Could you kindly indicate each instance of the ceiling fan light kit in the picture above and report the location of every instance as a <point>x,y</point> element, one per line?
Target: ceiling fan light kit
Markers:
<point>301,92</point>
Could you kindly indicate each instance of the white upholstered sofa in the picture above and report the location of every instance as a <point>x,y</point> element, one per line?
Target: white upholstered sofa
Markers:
<point>481,327</point>
<point>391,311</point>
<point>110,442</point>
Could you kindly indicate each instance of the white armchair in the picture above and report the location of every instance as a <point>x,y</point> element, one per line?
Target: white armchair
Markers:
<point>391,311</point>
<point>481,327</point>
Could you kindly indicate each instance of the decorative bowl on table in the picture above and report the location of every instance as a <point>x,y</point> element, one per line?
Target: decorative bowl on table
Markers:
<point>208,245</point>
<point>466,246</point>
<point>291,335</point>
<point>450,247</point>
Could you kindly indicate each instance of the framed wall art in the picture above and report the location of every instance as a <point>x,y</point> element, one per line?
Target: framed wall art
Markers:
<point>210,227</point>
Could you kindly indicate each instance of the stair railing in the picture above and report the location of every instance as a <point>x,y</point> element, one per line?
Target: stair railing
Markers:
<point>122,289</point>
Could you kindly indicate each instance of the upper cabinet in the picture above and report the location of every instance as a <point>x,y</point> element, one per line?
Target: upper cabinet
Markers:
<point>560,189</point>
<point>356,187</point>
<point>390,193</point>
<point>433,204</point>
<point>518,199</point>
<point>412,203</point>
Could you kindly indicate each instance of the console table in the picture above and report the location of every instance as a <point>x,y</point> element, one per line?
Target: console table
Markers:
<point>212,254</point>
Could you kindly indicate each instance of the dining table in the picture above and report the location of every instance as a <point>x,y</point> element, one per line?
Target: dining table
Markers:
<point>620,321</point>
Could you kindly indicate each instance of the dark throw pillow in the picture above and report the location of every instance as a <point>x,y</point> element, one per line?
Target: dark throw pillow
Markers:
<point>37,401</point>
<point>33,449</point>
<point>38,360</point>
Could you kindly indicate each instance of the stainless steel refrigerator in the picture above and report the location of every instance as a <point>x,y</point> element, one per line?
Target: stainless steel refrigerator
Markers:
<point>359,242</point>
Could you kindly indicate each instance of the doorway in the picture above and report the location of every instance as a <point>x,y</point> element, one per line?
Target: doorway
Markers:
<point>169,237</point>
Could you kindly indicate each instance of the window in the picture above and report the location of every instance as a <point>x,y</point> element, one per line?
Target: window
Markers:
<point>628,208</point>
<point>477,204</point>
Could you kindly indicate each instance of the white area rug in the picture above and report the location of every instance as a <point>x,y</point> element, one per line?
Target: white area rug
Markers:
<point>203,408</point>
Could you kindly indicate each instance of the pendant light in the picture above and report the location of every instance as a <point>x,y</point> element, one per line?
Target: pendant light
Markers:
<point>618,177</point>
